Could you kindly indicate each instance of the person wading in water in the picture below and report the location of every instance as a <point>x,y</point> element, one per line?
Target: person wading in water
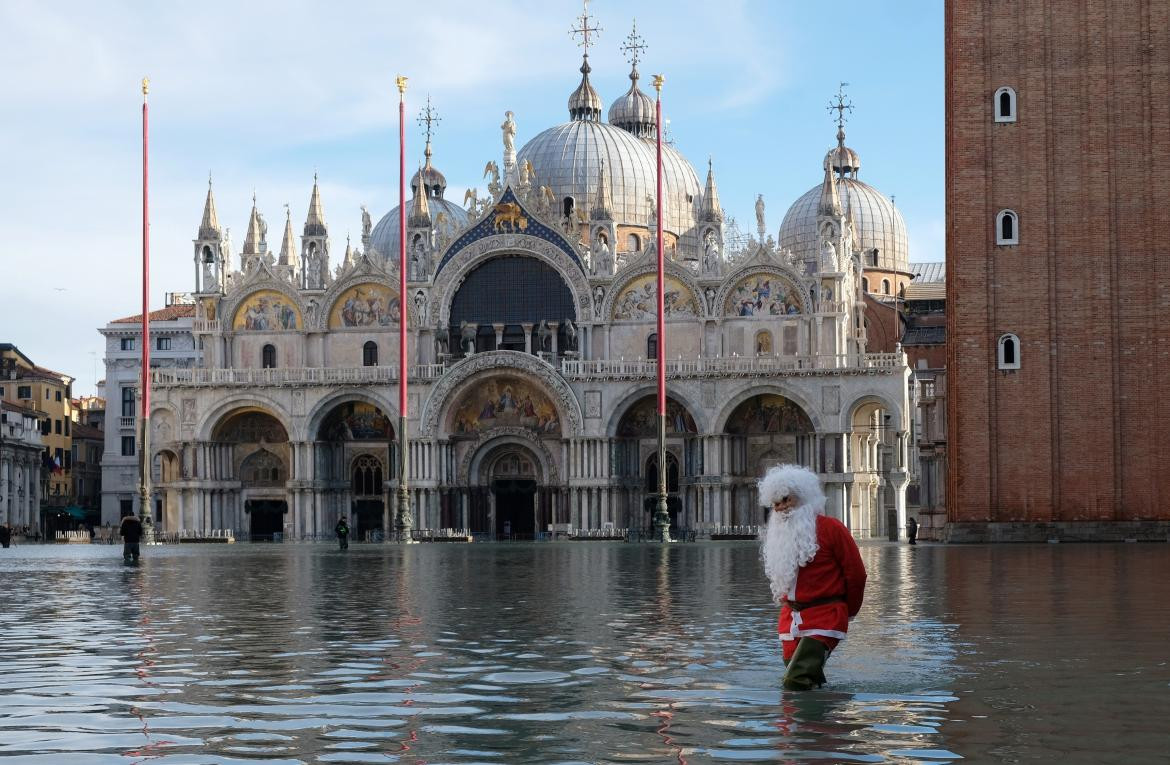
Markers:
<point>131,531</point>
<point>814,569</point>
<point>342,530</point>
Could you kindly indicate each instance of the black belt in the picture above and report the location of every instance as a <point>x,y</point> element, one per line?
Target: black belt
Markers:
<point>799,605</point>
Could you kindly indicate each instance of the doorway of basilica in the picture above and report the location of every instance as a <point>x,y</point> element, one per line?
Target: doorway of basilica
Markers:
<point>266,519</point>
<point>517,504</point>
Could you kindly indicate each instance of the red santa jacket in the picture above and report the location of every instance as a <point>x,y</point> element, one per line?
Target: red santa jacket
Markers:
<point>836,571</point>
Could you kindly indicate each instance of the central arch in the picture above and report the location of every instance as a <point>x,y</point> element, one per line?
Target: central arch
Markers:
<point>512,484</point>
<point>511,290</point>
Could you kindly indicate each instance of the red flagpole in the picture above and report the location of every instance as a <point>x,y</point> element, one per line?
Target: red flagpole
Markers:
<point>144,510</point>
<point>661,514</point>
<point>402,521</point>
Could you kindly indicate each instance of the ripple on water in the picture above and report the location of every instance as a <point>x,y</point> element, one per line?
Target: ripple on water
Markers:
<point>615,653</point>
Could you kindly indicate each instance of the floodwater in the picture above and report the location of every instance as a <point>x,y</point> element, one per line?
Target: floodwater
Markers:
<point>574,652</point>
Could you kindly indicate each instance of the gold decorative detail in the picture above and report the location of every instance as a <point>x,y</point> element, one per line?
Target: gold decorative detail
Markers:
<point>145,85</point>
<point>400,81</point>
<point>658,80</point>
<point>510,213</point>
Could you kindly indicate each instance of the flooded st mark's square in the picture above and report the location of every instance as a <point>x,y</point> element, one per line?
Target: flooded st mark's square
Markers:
<point>574,653</point>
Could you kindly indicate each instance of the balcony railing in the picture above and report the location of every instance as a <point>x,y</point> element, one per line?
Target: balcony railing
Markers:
<point>205,325</point>
<point>292,376</point>
<point>593,369</point>
<point>126,423</point>
<point>619,369</point>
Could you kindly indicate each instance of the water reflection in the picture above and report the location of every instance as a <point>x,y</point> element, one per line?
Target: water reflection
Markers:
<point>573,652</point>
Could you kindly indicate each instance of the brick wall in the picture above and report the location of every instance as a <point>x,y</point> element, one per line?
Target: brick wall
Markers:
<point>1082,431</point>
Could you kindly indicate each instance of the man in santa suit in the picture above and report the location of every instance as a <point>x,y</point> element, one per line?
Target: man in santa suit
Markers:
<point>815,571</point>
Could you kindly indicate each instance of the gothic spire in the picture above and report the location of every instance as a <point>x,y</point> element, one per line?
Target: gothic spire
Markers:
<point>830,203</point>
<point>712,210</point>
<point>288,247</point>
<point>254,243</point>
<point>420,211</point>
<point>315,220</point>
<point>603,210</point>
<point>209,228</point>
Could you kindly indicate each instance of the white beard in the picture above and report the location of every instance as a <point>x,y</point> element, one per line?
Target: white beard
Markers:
<point>789,542</point>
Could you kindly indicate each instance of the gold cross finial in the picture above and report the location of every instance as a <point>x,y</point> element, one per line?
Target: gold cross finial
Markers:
<point>634,46</point>
<point>841,105</point>
<point>428,117</point>
<point>585,30</point>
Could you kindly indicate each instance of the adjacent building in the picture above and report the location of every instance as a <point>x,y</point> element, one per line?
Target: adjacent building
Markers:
<point>1058,269</point>
<point>172,346</point>
<point>47,394</point>
<point>21,447</point>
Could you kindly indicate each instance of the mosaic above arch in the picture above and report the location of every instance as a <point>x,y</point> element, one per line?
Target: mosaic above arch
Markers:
<point>504,401</point>
<point>768,413</point>
<point>365,305</point>
<point>267,311</point>
<point>638,299</point>
<point>641,419</point>
<point>762,294</point>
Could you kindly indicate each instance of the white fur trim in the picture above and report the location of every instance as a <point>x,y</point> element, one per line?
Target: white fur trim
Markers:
<point>783,480</point>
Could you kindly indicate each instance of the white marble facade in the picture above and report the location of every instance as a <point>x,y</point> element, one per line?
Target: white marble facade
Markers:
<point>530,342</point>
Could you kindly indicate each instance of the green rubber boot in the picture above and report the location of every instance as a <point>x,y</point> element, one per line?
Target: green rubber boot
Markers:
<point>806,669</point>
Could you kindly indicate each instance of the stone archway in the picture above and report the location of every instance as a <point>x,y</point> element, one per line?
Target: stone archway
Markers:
<point>763,430</point>
<point>253,446</point>
<point>509,477</point>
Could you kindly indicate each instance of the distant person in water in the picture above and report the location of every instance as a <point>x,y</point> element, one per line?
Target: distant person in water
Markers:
<point>5,535</point>
<point>815,571</point>
<point>131,531</point>
<point>342,531</point>
<point>912,531</point>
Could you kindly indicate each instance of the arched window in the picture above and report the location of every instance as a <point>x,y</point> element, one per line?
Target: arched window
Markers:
<point>1007,227</point>
<point>370,354</point>
<point>208,257</point>
<point>567,207</point>
<point>1005,105</point>
<point>652,346</point>
<point>367,476</point>
<point>633,243</point>
<point>885,286</point>
<point>874,256</point>
<point>864,284</point>
<point>268,357</point>
<point>1008,356</point>
<point>671,473</point>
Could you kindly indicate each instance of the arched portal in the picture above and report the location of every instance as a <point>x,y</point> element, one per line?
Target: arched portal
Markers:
<point>635,459</point>
<point>873,439</point>
<point>510,472</point>
<point>356,455</point>
<point>764,430</point>
<point>501,304</point>
<point>260,462</point>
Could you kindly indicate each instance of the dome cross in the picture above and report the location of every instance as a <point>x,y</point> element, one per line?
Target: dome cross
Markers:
<point>428,118</point>
<point>585,30</point>
<point>633,48</point>
<point>841,105</point>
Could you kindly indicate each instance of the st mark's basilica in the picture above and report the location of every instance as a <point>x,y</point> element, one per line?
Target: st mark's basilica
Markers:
<point>531,344</point>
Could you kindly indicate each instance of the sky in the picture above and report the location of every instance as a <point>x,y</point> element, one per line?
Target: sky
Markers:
<point>260,95</point>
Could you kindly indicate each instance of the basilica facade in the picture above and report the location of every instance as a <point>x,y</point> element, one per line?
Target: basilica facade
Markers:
<point>531,347</point>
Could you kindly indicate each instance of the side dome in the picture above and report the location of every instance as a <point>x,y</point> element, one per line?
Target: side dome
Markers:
<point>567,158</point>
<point>384,237</point>
<point>876,222</point>
<point>634,111</point>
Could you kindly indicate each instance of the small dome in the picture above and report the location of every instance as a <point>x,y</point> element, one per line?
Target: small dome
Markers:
<point>384,237</point>
<point>585,104</point>
<point>845,160</point>
<point>434,182</point>
<point>634,111</point>
<point>877,223</point>
<point>567,159</point>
